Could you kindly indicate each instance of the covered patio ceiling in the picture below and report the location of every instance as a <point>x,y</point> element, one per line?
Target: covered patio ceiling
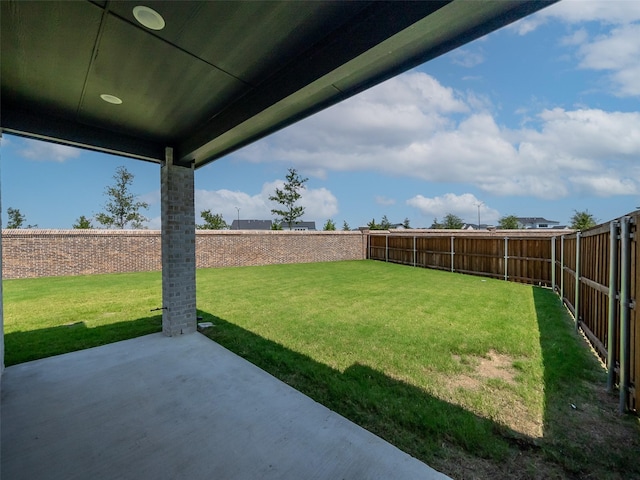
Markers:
<point>206,78</point>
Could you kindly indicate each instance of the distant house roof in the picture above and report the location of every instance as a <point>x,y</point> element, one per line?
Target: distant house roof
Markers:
<point>536,222</point>
<point>251,225</point>
<point>300,226</point>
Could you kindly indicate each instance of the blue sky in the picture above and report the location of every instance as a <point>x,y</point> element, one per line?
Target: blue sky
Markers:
<point>540,118</point>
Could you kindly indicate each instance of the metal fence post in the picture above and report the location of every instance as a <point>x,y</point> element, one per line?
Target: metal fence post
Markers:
<point>576,306</point>
<point>452,237</point>
<point>506,258</point>
<point>625,294</point>
<point>386,248</point>
<point>414,251</point>
<point>561,269</point>
<point>553,264</point>
<point>613,291</point>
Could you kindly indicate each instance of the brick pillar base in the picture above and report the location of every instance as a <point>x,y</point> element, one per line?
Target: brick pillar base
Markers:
<point>178,248</point>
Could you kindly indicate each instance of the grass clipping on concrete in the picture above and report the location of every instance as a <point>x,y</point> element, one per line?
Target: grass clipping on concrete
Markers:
<point>477,377</point>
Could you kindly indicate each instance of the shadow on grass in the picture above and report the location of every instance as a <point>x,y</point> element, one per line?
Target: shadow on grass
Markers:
<point>408,417</point>
<point>582,430</point>
<point>23,346</point>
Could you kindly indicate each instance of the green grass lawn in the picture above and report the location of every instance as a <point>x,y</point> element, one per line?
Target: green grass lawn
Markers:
<point>475,376</point>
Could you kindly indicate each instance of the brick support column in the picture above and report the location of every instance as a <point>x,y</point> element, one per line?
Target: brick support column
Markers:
<point>178,248</point>
<point>1,299</point>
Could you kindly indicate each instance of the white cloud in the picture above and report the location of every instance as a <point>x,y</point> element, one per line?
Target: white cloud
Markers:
<point>616,51</point>
<point>465,206</point>
<point>614,12</point>
<point>609,12</point>
<point>47,151</point>
<point>467,58</point>
<point>619,53</point>
<point>385,201</point>
<point>602,186</point>
<point>576,38</point>
<point>456,139</point>
<point>319,203</point>
<point>225,202</point>
<point>591,135</point>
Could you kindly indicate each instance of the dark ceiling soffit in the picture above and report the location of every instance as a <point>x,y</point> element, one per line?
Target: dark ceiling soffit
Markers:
<point>283,86</point>
<point>375,24</point>
<point>58,130</point>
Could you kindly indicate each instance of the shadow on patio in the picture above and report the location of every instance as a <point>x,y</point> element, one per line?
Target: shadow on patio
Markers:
<point>183,407</point>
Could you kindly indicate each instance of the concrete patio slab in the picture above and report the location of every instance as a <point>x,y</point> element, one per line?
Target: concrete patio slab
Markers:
<point>178,408</point>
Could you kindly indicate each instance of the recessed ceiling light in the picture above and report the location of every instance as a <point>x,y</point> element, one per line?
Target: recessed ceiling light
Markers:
<point>148,17</point>
<point>110,99</point>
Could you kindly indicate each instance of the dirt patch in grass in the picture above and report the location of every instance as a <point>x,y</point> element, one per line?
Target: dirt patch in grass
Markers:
<point>494,365</point>
<point>481,375</point>
<point>581,434</point>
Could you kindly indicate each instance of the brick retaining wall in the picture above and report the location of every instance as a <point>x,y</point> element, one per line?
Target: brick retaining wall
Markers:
<point>47,253</point>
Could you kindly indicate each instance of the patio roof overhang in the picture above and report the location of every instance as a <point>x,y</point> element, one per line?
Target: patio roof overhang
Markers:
<point>219,75</point>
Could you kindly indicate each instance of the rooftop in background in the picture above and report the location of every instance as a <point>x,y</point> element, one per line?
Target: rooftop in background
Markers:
<point>537,222</point>
<point>311,226</point>
<point>251,225</point>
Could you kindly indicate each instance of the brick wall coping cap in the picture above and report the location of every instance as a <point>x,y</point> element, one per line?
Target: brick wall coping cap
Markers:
<point>34,232</point>
<point>278,232</point>
<point>475,233</point>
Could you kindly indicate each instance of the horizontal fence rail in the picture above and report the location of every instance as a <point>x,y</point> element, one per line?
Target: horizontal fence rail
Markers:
<point>519,259</point>
<point>594,272</point>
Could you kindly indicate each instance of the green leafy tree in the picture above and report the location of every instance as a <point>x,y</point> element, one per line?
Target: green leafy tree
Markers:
<point>122,209</point>
<point>288,197</point>
<point>582,220</point>
<point>329,225</point>
<point>16,218</point>
<point>406,223</point>
<point>212,221</point>
<point>276,225</point>
<point>373,225</point>
<point>385,224</point>
<point>83,223</point>
<point>345,226</point>
<point>508,222</point>
<point>452,221</point>
<point>436,224</point>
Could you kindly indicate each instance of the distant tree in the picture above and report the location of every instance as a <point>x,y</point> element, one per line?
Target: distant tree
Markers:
<point>508,222</point>
<point>406,224</point>
<point>345,226</point>
<point>121,208</point>
<point>452,221</point>
<point>288,197</point>
<point>16,218</point>
<point>385,224</point>
<point>83,223</point>
<point>329,225</point>
<point>373,225</point>
<point>436,224</point>
<point>212,221</point>
<point>582,220</point>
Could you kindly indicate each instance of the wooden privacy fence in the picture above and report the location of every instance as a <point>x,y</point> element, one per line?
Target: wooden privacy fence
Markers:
<point>519,259</point>
<point>594,272</point>
<point>597,272</point>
